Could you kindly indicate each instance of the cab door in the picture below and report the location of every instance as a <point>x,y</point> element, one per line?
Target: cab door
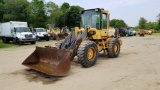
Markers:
<point>104,25</point>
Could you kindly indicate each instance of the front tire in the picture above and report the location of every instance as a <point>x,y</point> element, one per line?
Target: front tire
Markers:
<point>33,42</point>
<point>47,38</point>
<point>17,41</point>
<point>113,48</point>
<point>87,53</point>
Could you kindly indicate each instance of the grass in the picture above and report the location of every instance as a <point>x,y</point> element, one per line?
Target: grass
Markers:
<point>156,34</point>
<point>3,45</point>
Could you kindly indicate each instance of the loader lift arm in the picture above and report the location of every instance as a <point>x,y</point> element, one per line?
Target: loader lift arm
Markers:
<point>72,42</point>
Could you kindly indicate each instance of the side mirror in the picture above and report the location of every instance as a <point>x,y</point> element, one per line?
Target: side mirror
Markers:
<point>15,30</point>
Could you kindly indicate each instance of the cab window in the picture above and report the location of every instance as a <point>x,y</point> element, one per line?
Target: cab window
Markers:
<point>104,21</point>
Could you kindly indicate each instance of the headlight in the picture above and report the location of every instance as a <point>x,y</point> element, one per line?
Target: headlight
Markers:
<point>33,36</point>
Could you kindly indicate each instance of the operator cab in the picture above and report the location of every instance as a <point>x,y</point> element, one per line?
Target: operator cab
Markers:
<point>95,18</point>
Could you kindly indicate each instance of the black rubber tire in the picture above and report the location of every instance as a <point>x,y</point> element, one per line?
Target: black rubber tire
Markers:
<point>59,43</point>
<point>47,38</point>
<point>33,42</point>
<point>5,40</point>
<point>111,52</point>
<point>18,42</point>
<point>82,53</point>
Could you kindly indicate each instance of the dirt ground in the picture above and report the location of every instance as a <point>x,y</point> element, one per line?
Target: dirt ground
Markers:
<point>137,68</point>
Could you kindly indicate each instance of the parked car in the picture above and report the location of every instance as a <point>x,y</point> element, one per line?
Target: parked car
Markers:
<point>127,32</point>
<point>41,34</point>
<point>122,31</point>
<point>132,32</point>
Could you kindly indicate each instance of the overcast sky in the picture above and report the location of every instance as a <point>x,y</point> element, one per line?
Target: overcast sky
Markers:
<point>128,10</point>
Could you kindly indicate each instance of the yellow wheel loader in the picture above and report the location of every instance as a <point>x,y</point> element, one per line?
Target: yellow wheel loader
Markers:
<point>85,42</point>
<point>52,31</point>
<point>55,32</point>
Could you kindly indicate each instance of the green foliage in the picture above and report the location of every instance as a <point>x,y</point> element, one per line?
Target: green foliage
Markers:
<point>116,23</point>
<point>158,26</point>
<point>1,10</point>
<point>72,16</point>
<point>38,14</point>
<point>151,25</point>
<point>3,45</point>
<point>37,17</point>
<point>52,12</point>
<point>142,23</point>
<point>156,34</point>
<point>65,7</point>
<point>15,10</point>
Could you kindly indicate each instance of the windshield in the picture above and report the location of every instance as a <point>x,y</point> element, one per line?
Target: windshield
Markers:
<point>90,18</point>
<point>22,29</point>
<point>39,30</point>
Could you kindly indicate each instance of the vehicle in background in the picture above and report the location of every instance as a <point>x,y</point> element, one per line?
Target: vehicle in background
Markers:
<point>53,31</point>
<point>16,31</point>
<point>124,32</point>
<point>127,32</point>
<point>141,32</point>
<point>149,32</point>
<point>132,33</point>
<point>41,34</point>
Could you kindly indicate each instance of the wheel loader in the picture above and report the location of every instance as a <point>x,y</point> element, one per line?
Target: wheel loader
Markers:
<point>85,42</point>
<point>55,33</point>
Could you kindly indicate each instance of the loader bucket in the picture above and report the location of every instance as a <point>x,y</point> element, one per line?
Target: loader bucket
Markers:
<point>49,60</point>
<point>61,36</point>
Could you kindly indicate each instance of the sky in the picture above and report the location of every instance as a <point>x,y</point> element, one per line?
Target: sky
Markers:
<point>128,10</point>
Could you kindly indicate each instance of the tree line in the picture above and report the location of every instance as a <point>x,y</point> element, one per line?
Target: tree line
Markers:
<point>38,13</point>
<point>144,24</point>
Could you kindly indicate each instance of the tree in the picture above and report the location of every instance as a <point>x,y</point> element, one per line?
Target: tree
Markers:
<point>142,23</point>
<point>15,10</point>
<point>151,25</point>
<point>53,12</point>
<point>116,23</point>
<point>1,10</point>
<point>158,16</point>
<point>65,7</point>
<point>37,17</point>
<point>113,22</point>
<point>72,16</point>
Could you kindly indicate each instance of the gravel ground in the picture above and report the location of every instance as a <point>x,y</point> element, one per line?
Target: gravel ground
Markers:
<point>137,68</point>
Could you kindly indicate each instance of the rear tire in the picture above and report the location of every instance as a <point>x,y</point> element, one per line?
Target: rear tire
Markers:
<point>5,40</point>
<point>87,53</point>
<point>113,48</point>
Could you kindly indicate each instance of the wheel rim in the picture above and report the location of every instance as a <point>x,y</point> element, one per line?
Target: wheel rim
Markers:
<point>91,54</point>
<point>116,48</point>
